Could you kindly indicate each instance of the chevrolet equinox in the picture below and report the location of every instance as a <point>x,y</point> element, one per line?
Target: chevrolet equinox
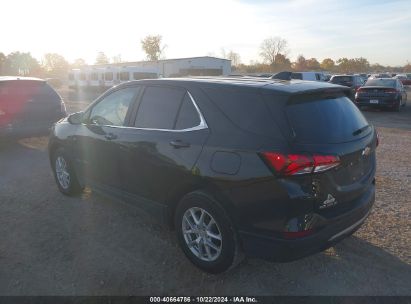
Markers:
<point>258,167</point>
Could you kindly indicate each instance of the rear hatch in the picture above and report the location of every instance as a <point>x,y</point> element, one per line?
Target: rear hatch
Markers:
<point>28,102</point>
<point>329,124</point>
<point>376,92</point>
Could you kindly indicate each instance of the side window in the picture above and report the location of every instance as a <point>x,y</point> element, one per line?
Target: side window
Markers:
<point>159,107</point>
<point>188,116</point>
<point>112,109</point>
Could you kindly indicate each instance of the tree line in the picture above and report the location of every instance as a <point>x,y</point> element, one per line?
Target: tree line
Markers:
<point>273,55</point>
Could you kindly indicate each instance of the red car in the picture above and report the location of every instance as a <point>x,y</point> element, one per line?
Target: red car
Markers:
<point>404,79</point>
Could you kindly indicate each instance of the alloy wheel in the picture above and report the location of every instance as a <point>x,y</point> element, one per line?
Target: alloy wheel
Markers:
<point>63,176</point>
<point>202,234</point>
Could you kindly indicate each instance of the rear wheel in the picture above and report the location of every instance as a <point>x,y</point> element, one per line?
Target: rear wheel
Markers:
<point>64,173</point>
<point>205,233</point>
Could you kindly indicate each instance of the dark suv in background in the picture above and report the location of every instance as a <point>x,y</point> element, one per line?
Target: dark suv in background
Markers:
<point>354,82</point>
<point>273,169</point>
<point>28,106</point>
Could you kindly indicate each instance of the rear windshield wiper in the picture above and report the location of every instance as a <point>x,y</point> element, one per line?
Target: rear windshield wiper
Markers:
<point>359,131</point>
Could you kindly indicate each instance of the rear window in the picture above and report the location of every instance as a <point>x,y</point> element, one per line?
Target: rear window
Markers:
<point>342,79</point>
<point>35,90</point>
<point>382,82</point>
<point>320,121</point>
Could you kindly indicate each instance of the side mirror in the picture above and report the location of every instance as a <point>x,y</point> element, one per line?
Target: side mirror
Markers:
<point>76,118</point>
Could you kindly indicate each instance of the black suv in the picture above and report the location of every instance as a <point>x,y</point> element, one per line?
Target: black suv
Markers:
<point>28,106</point>
<point>273,169</point>
<point>354,82</point>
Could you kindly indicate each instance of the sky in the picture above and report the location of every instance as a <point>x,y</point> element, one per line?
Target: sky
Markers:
<point>379,30</point>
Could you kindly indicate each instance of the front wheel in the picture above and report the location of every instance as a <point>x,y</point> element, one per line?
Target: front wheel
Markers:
<point>205,233</point>
<point>64,173</point>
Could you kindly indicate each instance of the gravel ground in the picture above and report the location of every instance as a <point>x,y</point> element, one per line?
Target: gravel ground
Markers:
<point>91,245</point>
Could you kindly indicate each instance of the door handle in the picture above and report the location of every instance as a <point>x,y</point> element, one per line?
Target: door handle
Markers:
<point>110,136</point>
<point>179,144</point>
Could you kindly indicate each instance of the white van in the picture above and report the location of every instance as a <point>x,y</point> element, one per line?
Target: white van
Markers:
<point>312,76</point>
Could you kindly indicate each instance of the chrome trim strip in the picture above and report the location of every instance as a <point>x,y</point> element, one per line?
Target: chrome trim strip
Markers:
<point>352,227</point>
<point>202,124</point>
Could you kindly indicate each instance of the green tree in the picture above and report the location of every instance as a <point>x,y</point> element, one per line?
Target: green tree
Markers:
<point>407,68</point>
<point>344,65</point>
<point>327,64</point>
<point>300,64</point>
<point>312,64</point>
<point>55,65</point>
<point>22,64</point>
<point>79,62</point>
<point>151,45</point>
<point>281,63</point>
<point>2,63</point>
<point>102,58</point>
<point>271,47</point>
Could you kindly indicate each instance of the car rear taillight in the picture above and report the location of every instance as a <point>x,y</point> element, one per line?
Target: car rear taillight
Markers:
<point>296,164</point>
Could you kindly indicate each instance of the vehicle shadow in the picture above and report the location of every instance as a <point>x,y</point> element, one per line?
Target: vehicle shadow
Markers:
<point>353,267</point>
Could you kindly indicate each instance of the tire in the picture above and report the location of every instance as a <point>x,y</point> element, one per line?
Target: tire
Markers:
<point>72,186</point>
<point>213,261</point>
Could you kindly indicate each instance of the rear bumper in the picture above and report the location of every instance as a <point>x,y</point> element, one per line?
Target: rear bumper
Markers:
<point>382,102</point>
<point>334,230</point>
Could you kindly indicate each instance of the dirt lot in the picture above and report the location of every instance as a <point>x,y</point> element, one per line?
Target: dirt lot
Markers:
<point>54,245</point>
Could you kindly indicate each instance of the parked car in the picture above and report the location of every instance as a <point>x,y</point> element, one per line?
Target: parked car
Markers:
<point>351,81</point>
<point>28,106</point>
<point>220,161</point>
<point>403,78</point>
<point>311,76</point>
<point>381,75</point>
<point>382,93</point>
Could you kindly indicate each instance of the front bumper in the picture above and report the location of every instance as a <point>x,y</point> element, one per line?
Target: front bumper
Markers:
<point>334,230</point>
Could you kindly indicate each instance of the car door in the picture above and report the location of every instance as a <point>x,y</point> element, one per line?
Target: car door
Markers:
<point>99,138</point>
<point>166,138</point>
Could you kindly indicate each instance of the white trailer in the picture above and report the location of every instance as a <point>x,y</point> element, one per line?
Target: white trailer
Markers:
<point>96,78</point>
<point>128,73</point>
<point>111,76</point>
<point>73,78</point>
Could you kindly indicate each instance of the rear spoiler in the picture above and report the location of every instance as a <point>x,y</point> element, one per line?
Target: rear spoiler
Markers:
<point>319,93</point>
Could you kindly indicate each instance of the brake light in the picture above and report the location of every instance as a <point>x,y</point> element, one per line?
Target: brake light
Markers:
<point>296,164</point>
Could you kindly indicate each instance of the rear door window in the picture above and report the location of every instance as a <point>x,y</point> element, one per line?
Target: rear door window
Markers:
<point>159,107</point>
<point>320,121</point>
<point>188,116</point>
